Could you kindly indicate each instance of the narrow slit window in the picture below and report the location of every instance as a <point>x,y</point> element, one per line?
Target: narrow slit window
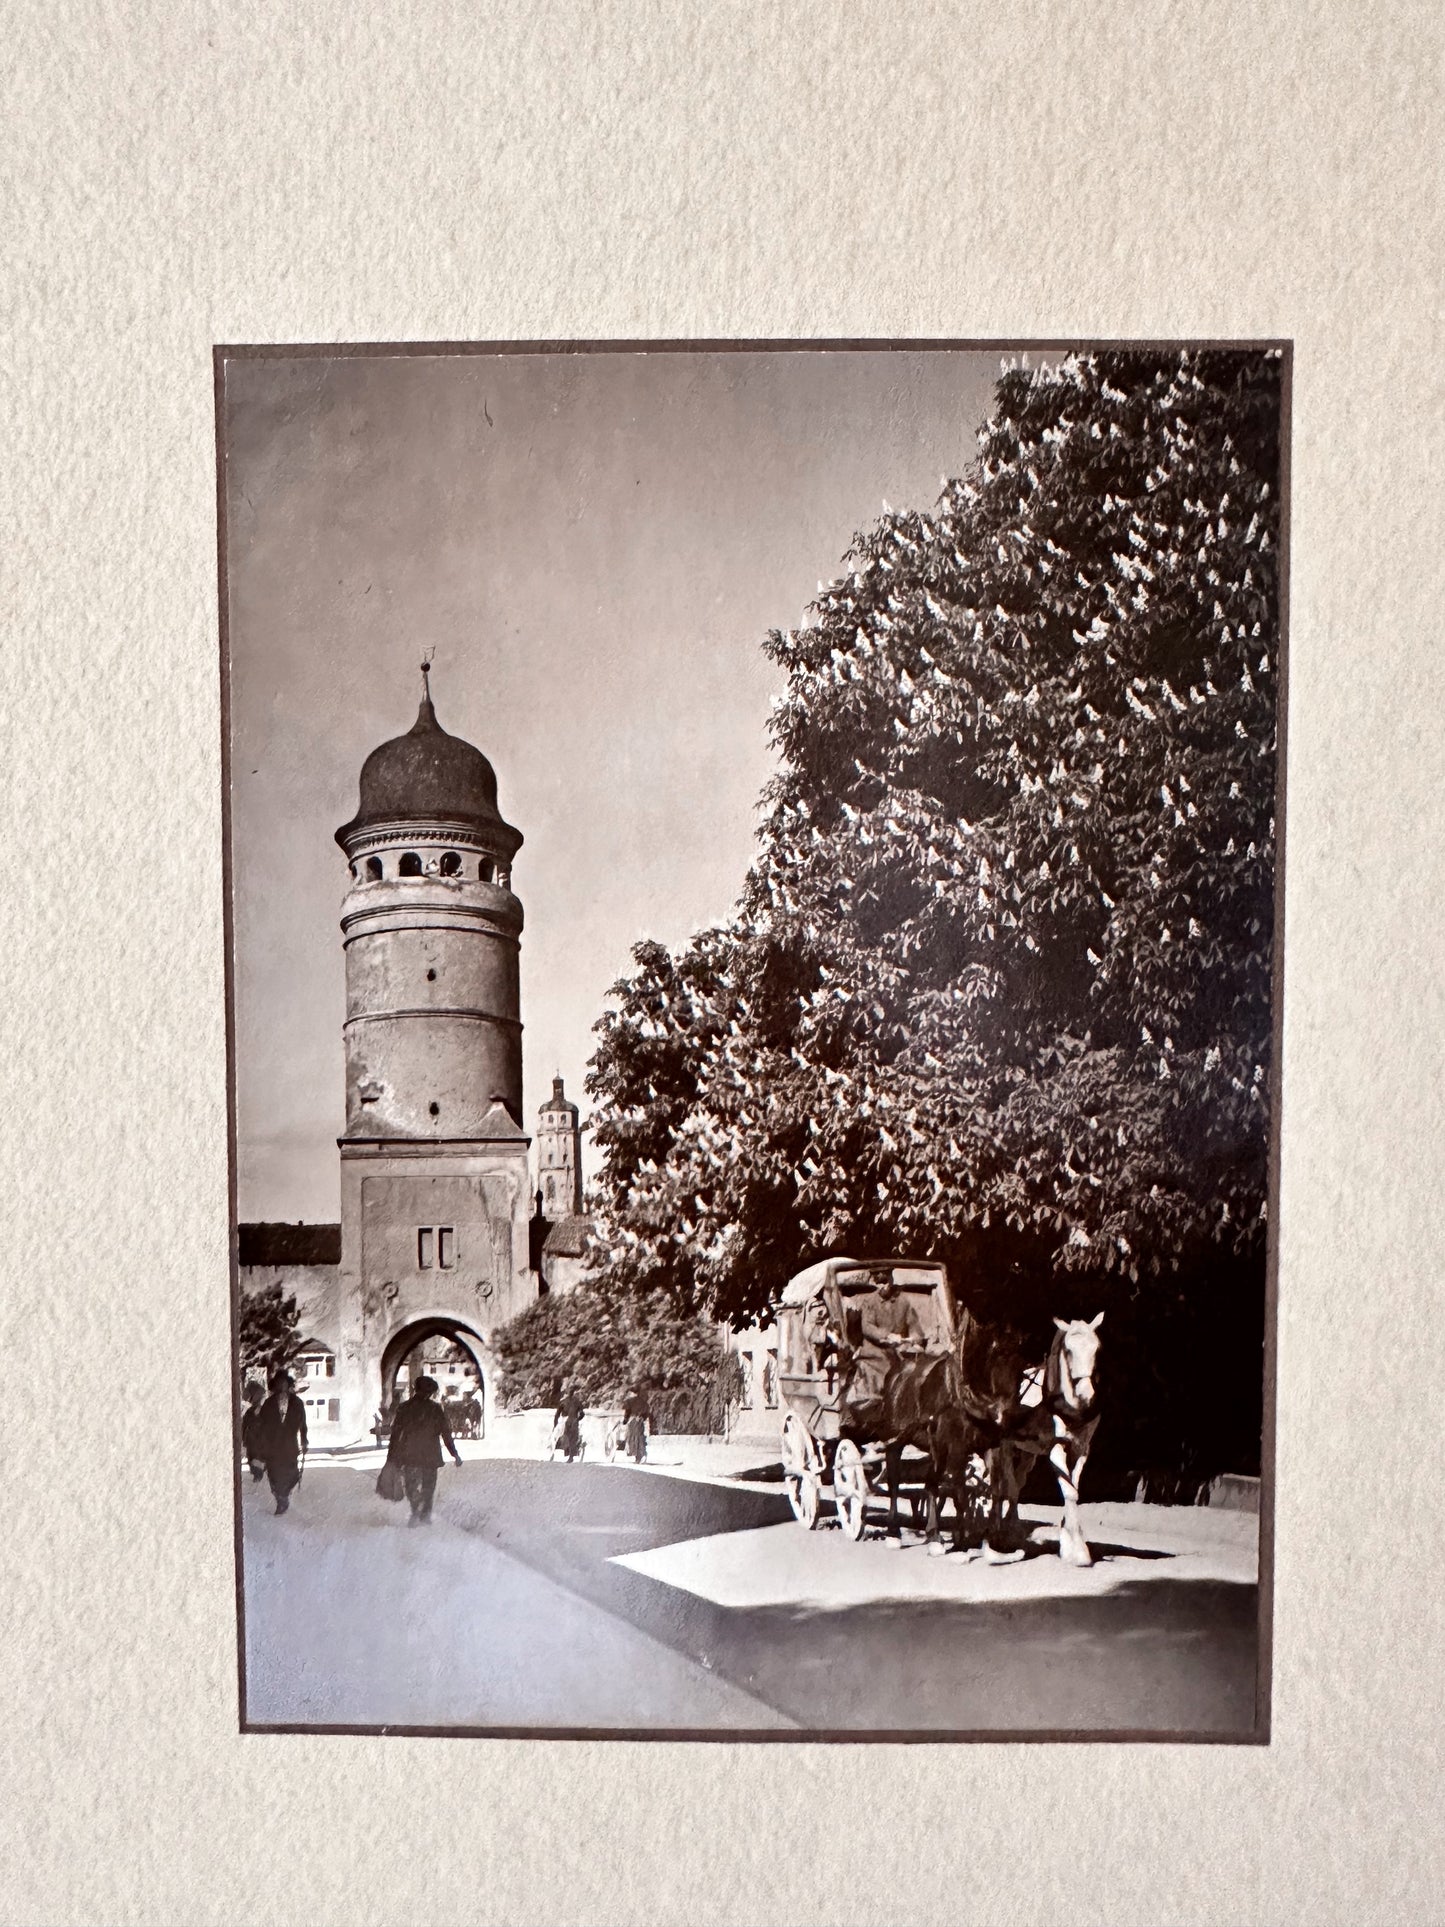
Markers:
<point>424,1248</point>
<point>446,1246</point>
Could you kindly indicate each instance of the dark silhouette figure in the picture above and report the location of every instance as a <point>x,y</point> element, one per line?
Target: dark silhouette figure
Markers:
<point>567,1422</point>
<point>279,1439</point>
<point>635,1415</point>
<point>250,1439</point>
<point>419,1431</point>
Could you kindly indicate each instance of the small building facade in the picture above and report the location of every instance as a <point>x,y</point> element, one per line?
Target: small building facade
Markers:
<point>756,1348</point>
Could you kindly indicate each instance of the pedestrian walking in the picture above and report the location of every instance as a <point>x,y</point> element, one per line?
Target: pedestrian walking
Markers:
<point>635,1416</point>
<point>280,1439</point>
<point>418,1433</point>
<point>567,1422</point>
<point>250,1430</point>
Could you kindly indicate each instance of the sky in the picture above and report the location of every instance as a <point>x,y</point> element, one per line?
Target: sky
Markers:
<point>592,547</point>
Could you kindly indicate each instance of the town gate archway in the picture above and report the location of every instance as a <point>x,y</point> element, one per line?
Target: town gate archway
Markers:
<point>418,1331</point>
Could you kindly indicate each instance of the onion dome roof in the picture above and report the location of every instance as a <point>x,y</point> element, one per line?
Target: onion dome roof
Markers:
<point>559,1101</point>
<point>429,776</point>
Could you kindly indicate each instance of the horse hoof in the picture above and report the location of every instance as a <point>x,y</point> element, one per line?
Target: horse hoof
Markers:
<point>995,1558</point>
<point>936,1551</point>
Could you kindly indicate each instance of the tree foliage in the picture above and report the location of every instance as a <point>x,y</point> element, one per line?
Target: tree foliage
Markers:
<point>270,1331</point>
<point>999,979</point>
<point>606,1341</point>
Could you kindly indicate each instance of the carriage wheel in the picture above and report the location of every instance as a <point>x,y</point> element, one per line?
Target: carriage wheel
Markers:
<point>610,1447</point>
<point>804,1489</point>
<point>850,1488</point>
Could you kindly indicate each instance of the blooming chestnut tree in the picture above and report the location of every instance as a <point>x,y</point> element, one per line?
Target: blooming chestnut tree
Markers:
<point>1003,963</point>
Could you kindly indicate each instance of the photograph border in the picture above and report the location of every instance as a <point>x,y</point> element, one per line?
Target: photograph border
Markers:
<point>1260,1734</point>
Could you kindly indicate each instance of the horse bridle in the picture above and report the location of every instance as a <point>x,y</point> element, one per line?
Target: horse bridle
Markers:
<point>1059,1395</point>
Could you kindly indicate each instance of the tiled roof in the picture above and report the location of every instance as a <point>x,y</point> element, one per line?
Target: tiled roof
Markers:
<point>567,1238</point>
<point>289,1244</point>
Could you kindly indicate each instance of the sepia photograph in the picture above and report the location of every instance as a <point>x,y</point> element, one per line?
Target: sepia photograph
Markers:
<point>753,954</point>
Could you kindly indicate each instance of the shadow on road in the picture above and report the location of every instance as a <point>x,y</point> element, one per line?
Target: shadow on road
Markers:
<point>1166,1656</point>
<point>1161,1656</point>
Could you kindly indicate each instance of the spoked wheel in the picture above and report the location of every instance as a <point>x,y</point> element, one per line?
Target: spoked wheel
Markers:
<point>804,1489</point>
<point>850,1488</point>
<point>609,1447</point>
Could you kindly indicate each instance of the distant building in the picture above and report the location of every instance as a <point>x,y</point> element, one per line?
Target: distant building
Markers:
<point>757,1355</point>
<point>559,1157</point>
<point>444,1361</point>
<point>314,1369</point>
<point>560,1227</point>
<point>565,1263</point>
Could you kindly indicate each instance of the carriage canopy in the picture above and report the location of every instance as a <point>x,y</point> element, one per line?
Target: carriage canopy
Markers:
<point>821,1295</point>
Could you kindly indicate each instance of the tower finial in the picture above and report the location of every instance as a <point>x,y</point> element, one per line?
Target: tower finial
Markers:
<point>426,663</point>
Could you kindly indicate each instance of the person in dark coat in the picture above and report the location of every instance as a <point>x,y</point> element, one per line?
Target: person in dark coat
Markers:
<point>419,1432</point>
<point>568,1417</point>
<point>634,1413</point>
<point>250,1443</point>
<point>280,1438</point>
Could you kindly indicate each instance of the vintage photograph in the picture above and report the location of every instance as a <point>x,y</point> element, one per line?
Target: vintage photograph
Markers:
<point>753,882</point>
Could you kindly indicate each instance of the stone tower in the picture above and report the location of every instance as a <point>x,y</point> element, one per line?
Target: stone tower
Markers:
<point>559,1156</point>
<point>434,1191</point>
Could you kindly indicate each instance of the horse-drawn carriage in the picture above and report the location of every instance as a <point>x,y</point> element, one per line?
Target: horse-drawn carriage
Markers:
<point>833,1424</point>
<point>887,1383</point>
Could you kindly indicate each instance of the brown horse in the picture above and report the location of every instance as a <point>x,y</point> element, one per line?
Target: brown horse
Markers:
<point>955,1409</point>
<point>971,1424</point>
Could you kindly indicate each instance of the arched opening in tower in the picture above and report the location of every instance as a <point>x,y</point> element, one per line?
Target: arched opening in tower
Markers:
<point>446,1350</point>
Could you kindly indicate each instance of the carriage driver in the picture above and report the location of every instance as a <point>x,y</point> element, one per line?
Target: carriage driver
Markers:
<point>888,1330</point>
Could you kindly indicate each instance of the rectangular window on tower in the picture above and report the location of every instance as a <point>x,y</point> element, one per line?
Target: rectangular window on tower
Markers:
<point>424,1243</point>
<point>446,1246</point>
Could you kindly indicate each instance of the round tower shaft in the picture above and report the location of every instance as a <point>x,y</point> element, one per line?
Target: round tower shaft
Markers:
<point>432,931</point>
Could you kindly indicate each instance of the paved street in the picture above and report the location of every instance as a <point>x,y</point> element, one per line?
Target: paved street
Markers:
<point>599,1597</point>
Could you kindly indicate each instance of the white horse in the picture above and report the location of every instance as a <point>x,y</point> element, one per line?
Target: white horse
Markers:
<point>1059,1397</point>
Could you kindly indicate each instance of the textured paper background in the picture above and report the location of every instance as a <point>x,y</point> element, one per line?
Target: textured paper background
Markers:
<point>182,175</point>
